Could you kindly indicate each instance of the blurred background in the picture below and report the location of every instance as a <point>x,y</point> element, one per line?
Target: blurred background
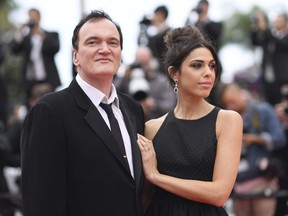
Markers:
<point>241,60</point>
<point>61,17</point>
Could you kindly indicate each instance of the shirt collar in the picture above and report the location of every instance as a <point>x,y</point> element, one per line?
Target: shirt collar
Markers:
<point>95,95</point>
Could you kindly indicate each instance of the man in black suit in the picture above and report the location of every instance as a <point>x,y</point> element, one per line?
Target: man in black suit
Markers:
<point>38,48</point>
<point>211,29</point>
<point>152,32</point>
<point>71,163</point>
<point>273,39</point>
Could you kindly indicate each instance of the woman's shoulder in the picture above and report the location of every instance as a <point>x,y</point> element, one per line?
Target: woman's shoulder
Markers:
<point>228,119</point>
<point>229,115</point>
<point>152,126</point>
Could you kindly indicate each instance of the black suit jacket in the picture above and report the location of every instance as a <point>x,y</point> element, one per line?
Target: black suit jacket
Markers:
<point>50,48</point>
<point>71,164</point>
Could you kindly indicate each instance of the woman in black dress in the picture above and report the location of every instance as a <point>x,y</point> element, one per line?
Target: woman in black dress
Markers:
<point>191,154</point>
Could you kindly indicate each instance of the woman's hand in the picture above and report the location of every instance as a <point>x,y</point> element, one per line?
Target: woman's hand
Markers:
<point>148,158</point>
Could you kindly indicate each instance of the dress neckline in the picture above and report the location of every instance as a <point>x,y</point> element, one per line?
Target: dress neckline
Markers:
<point>179,119</point>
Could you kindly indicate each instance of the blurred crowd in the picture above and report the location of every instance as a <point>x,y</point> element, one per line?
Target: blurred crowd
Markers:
<point>261,187</point>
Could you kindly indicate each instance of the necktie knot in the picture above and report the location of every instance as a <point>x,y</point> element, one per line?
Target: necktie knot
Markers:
<point>107,108</point>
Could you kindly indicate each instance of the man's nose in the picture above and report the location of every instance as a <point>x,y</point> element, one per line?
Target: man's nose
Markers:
<point>104,47</point>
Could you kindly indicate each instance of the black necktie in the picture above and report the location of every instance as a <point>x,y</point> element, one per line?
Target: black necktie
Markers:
<point>115,129</point>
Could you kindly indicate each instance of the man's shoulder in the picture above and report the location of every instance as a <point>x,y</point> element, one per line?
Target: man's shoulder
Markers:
<point>127,99</point>
<point>128,102</point>
<point>51,31</point>
<point>52,34</point>
<point>55,97</point>
<point>263,106</point>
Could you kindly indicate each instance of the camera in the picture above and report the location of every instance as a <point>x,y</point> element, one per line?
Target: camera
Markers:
<point>285,103</point>
<point>270,167</point>
<point>135,65</point>
<point>31,24</point>
<point>202,4</point>
<point>145,21</point>
<point>198,9</point>
<point>254,18</point>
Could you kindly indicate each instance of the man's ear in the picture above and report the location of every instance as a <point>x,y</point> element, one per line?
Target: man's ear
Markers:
<point>75,59</point>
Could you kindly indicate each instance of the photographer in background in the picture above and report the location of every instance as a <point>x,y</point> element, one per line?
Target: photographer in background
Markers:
<point>259,170</point>
<point>282,112</point>
<point>199,17</point>
<point>273,39</point>
<point>143,75</point>
<point>38,48</point>
<point>152,32</point>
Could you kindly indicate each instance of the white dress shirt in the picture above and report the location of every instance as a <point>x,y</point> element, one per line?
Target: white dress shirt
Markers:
<point>96,96</point>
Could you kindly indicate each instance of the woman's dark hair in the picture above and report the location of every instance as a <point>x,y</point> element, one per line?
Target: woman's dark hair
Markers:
<point>180,42</point>
<point>94,15</point>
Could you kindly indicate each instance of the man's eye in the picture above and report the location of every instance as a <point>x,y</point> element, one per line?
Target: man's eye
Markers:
<point>114,43</point>
<point>92,43</point>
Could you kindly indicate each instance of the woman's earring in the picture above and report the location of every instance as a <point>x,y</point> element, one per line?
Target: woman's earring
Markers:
<point>176,87</point>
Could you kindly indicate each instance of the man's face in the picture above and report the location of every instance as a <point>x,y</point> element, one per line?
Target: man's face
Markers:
<point>99,52</point>
<point>35,17</point>
<point>234,99</point>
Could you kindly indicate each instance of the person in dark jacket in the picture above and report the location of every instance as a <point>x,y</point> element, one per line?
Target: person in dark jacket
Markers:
<point>274,42</point>
<point>38,48</point>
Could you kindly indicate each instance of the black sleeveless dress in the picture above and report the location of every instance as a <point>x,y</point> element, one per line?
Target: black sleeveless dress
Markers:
<point>185,149</point>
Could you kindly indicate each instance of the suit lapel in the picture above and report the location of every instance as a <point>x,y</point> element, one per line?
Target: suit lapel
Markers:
<point>97,123</point>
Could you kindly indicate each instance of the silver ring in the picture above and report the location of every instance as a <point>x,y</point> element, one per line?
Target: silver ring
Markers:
<point>147,149</point>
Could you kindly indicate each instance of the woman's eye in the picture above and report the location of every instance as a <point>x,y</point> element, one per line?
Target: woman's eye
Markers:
<point>197,66</point>
<point>212,66</point>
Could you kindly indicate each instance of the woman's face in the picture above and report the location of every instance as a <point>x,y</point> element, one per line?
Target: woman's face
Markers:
<point>197,75</point>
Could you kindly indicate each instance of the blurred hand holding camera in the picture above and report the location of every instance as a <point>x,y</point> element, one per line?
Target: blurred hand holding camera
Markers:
<point>31,27</point>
